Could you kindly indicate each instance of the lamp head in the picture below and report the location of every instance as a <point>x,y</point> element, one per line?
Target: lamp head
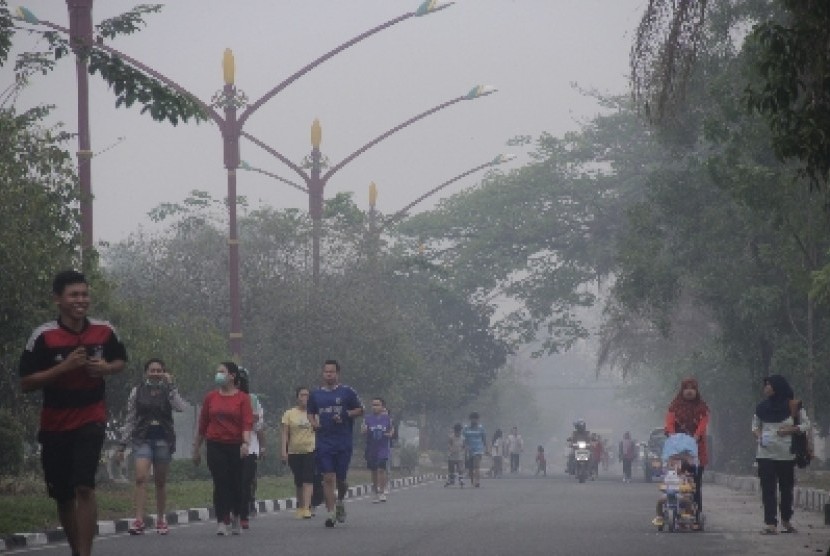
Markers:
<point>481,91</point>
<point>373,195</point>
<point>430,6</point>
<point>228,66</point>
<point>316,134</point>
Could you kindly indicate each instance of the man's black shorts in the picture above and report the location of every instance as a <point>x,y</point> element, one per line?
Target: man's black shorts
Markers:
<point>70,459</point>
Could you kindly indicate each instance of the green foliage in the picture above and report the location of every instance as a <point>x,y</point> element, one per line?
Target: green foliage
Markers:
<point>38,206</point>
<point>129,82</point>
<point>11,444</point>
<point>793,92</point>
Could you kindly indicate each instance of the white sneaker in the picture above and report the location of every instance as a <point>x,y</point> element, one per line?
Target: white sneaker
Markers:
<point>382,497</point>
<point>222,529</point>
<point>375,498</point>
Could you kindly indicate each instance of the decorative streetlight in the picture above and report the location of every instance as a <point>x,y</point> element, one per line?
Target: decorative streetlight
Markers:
<point>229,99</point>
<point>316,180</point>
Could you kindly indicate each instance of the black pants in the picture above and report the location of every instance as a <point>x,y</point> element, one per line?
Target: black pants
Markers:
<point>514,463</point>
<point>781,474</point>
<point>225,465</point>
<point>626,468</point>
<point>249,465</point>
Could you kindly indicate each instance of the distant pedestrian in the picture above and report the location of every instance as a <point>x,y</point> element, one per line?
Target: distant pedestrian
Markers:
<point>497,453</point>
<point>475,443</point>
<point>773,425</point>
<point>627,454</point>
<point>68,359</point>
<point>541,462</point>
<point>297,449</point>
<point>225,422</point>
<point>514,445</point>
<point>149,429</point>
<point>332,409</point>
<point>689,414</point>
<point>256,450</point>
<point>455,456</point>
<point>377,428</point>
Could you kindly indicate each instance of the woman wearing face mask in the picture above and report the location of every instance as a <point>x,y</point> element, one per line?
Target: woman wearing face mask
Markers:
<point>149,427</point>
<point>689,414</point>
<point>226,421</point>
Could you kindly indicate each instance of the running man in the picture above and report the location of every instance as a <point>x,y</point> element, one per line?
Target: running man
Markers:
<point>377,429</point>
<point>68,359</point>
<point>475,442</point>
<point>332,409</point>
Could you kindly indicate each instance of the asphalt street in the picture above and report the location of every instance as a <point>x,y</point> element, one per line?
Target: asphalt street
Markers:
<point>514,515</point>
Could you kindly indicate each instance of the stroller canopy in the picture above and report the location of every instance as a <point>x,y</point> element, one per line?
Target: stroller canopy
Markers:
<point>679,444</point>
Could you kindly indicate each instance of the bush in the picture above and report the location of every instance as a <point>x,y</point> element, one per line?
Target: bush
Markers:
<point>11,444</point>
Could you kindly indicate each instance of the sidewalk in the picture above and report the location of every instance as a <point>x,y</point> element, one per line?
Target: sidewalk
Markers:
<point>732,505</point>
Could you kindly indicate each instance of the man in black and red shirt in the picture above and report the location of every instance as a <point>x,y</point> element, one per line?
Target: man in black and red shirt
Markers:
<point>67,358</point>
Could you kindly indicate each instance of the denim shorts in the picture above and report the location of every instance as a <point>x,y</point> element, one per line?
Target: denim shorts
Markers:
<point>156,450</point>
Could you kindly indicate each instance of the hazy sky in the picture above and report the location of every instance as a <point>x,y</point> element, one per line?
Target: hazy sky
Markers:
<point>532,50</point>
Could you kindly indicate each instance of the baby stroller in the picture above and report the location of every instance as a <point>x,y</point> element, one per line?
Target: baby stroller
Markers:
<point>679,509</point>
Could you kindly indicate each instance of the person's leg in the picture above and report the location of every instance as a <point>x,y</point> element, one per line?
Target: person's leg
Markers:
<point>142,471</point>
<point>768,479</point>
<point>786,483</point>
<point>89,440</point>
<point>382,477</point>
<point>246,482</point>
<point>235,462</point>
<point>307,480</point>
<point>219,467</point>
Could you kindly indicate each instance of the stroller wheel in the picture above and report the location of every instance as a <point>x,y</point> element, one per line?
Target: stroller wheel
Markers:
<point>701,521</point>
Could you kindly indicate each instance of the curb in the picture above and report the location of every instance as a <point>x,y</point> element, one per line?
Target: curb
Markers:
<point>805,498</point>
<point>192,515</point>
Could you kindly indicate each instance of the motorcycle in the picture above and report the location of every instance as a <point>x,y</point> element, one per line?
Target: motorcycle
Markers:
<point>582,460</point>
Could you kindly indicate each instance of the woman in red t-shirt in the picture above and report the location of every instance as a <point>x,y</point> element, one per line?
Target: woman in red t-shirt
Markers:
<point>226,421</point>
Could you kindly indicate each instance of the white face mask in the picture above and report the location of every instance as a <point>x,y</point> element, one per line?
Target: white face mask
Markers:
<point>221,379</point>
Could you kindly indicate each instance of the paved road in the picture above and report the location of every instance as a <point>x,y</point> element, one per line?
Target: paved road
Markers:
<point>522,515</point>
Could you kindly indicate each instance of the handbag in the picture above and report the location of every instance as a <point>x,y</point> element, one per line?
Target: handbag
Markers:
<point>802,445</point>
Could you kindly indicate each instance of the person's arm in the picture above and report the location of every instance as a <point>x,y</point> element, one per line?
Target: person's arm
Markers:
<point>670,423</point>
<point>700,432</point>
<point>313,411</point>
<point>355,407</point>
<point>247,423</point>
<point>285,437</point>
<point>113,359</point>
<point>756,427</point>
<point>130,420</point>
<point>36,369</point>
<point>204,416</point>
<point>804,421</point>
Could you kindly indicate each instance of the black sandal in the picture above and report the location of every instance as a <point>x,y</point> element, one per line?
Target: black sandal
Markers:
<point>788,528</point>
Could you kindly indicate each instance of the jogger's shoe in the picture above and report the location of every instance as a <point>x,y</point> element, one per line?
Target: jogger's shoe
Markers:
<point>307,513</point>
<point>235,527</point>
<point>137,528</point>
<point>382,497</point>
<point>222,529</point>
<point>331,520</point>
<point>161,527</point>
<point>340,511</point>
<point>244,523</point>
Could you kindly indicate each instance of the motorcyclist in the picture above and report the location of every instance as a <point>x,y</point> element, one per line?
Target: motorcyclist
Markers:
<point>580,433</point>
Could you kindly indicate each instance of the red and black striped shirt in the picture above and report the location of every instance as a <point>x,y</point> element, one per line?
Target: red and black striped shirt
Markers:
<point>75,398</point>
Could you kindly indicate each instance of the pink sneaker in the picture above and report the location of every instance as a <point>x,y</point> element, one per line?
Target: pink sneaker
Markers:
<point>162,528</point>
<point>137,528</point>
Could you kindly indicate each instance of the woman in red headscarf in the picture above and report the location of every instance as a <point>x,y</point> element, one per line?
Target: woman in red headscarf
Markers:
<point>689,414</point>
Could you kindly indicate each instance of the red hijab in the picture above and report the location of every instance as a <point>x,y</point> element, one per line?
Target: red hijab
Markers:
<point>688,413</point>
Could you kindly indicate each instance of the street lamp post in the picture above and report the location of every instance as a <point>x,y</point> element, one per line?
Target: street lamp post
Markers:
<point>316,180</point>
<point>80,35</point>
<point>229,99</point>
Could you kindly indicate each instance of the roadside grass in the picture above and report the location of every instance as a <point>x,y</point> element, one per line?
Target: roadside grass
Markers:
<point>30,510</point>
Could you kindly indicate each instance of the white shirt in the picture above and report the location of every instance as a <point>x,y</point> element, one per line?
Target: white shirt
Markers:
<point>773,446</point>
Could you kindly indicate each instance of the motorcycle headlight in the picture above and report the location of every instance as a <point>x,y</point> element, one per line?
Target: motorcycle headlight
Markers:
<point>581,444</point>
